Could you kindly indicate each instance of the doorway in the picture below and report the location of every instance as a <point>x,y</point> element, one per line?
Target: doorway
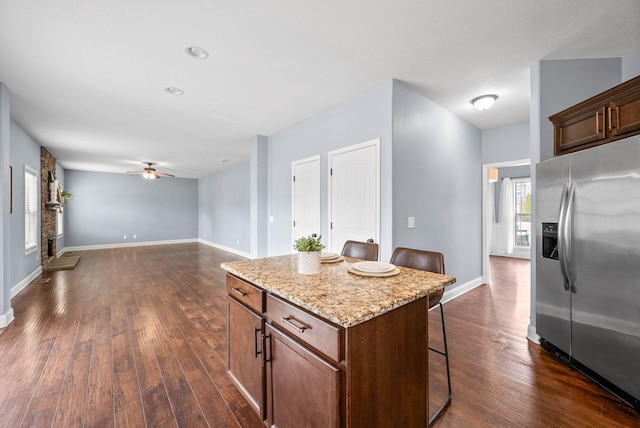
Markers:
<point>305,195</point>
<point>488,209</point>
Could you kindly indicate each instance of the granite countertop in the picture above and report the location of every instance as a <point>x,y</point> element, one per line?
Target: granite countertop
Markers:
<point>335,294</point>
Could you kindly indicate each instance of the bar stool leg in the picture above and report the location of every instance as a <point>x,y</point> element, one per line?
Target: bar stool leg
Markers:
<point>445,353</point>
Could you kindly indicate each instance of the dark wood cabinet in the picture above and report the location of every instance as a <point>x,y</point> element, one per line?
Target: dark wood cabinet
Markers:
<point>245,330</point>
<point>303,389</point>
<point>313,373</point>
<point>245,338</point>
<point>601,119</point>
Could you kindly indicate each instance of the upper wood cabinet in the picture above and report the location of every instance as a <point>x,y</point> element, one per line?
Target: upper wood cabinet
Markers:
<point>606,117</point>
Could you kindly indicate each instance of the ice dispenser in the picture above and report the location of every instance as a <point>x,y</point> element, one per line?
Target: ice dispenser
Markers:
<point>550,240</point>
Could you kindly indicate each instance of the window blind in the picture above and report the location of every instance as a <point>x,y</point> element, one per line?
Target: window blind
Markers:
<point>30,209</point>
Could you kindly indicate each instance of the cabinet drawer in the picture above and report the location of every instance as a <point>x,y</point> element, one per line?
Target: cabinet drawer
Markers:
<point>246,293</point>
<point>311,330</point>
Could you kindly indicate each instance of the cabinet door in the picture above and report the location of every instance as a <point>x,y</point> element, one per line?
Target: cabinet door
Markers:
<point>244,359</point>
<point>624,116</point>
<point>584,128</point>
<point>303,389</point>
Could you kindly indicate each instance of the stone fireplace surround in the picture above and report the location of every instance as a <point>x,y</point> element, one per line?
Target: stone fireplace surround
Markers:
<point>48,217</point>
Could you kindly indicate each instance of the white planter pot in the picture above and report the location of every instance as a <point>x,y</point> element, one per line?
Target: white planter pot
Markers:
<point>309,263</point>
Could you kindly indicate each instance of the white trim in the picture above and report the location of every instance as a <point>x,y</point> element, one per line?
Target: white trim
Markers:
<point>25,281</point>
<point>137,244</point>
<point>454,292</point>
<point>227,249</point>
<point>6,318</point>
<point>376,143</point>
<point>532,335</point>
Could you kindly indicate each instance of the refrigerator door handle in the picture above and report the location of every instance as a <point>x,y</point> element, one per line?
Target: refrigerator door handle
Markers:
<point>568,236</point>
<point>562,236</point>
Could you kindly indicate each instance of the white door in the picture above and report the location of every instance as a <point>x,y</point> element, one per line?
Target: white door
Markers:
<point>354,194</point>
<point>305,194</point>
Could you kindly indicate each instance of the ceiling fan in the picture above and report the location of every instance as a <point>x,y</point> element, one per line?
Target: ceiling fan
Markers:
<point>150,172</point>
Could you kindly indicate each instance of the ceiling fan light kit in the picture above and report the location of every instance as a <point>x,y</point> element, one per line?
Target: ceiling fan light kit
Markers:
<point>150,173</point>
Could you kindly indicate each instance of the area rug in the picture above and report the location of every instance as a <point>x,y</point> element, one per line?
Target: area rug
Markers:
<point>63,263</point>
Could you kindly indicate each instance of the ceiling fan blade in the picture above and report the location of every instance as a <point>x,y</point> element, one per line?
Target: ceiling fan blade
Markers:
<point>164,174</point>
<point>135,172</point>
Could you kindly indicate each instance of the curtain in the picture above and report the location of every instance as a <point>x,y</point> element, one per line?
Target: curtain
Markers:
<point>504,230</point>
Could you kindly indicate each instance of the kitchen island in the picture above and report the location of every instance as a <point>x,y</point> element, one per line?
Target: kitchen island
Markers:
<point>332,349</point>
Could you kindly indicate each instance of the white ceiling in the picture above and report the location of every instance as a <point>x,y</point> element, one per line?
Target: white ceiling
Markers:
<point>87,78</point>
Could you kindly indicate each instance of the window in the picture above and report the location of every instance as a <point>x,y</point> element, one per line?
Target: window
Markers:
<point>30,210</point>
<point>522,210</point>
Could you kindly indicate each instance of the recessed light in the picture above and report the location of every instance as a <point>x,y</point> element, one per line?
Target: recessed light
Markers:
<point>174,91</point>
<point>484,102</point>
<point>196,52</point>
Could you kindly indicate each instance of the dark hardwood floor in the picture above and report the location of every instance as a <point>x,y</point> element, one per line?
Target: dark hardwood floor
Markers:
<point>136,337</point>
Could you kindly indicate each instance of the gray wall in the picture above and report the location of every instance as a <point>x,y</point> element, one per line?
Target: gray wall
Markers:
<point>24,150</point>
<point>506,143</point>
<point>107,206</point>
<point>364,117</point>
<point>630,65</point>
<point>437,180</point>
<point>224,208</point>
<point>6,312</point>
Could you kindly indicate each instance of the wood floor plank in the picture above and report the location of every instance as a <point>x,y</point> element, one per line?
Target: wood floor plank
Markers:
<point>144,329</point>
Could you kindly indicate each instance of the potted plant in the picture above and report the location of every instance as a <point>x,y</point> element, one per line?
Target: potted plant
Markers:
<point>66,196</point>
<point>309,260</point>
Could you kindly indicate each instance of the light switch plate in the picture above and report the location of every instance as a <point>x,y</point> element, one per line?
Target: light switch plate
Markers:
<point>411,223</point>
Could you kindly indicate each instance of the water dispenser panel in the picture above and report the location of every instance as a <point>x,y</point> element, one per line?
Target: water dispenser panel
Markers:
<point>550,240</point>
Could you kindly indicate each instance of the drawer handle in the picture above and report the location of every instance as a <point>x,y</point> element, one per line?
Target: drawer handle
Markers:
<point>240,292</point>
<point>288,320</point>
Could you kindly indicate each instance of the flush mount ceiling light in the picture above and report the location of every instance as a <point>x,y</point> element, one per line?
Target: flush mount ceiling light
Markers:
<point>174,91</point>
<point>484,102</point>
<point>222,160</point>
<point>196,52</point>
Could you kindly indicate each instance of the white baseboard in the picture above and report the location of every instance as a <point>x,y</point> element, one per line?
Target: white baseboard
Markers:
<point>131,244</point>
<point>25,281</point>
<point>227,249</point>
<point>459,290</point>
<point>514,255</point>
<point>6,318</point>
<point>532,335</point>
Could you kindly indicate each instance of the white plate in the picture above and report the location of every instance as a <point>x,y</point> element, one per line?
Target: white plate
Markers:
<point>329,256</point>
<point>374,267</point>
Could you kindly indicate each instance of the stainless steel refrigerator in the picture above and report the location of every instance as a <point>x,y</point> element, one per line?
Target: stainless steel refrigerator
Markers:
<point>588,263</point>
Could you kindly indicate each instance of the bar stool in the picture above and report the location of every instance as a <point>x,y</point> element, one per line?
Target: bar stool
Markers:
<point>430,261</point>
<point>361,250</point>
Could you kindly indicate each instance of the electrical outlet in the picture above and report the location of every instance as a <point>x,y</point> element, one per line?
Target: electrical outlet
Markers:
<point>205,234</point>
<point>238,242</point>
<point>124,237</point>
<point>270,219</point>
<point>134,236</point>
<point>411,223</point>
